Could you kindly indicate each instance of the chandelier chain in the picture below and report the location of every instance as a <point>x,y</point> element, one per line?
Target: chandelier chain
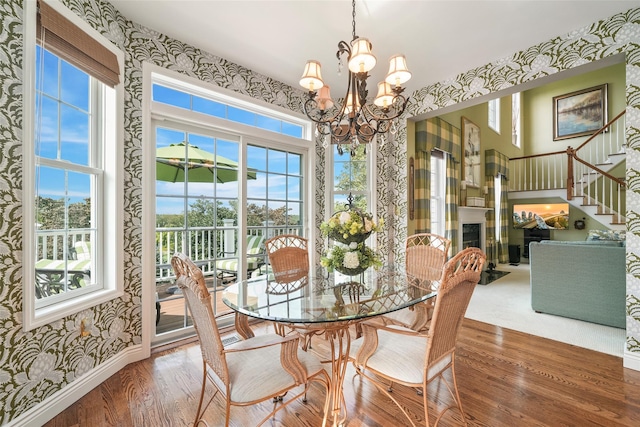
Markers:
<point>353,19</point>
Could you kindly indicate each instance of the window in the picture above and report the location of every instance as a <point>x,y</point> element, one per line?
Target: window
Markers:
<point>225,109</point>
<point>438,192</point>
<point>516,121</point>
<point>494,114</point>
<point>350,177</point>
<point>70,258</point>
<point>227,177</point>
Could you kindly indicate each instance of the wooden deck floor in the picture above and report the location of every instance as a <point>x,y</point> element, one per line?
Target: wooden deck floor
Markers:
<point>173,314</point>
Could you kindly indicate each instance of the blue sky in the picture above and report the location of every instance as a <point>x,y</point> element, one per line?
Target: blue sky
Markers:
<point>66,101</point>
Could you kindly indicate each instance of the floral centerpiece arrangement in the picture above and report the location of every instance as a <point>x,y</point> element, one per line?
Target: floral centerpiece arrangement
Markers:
<point>350,228</point>
<point>351,260</point>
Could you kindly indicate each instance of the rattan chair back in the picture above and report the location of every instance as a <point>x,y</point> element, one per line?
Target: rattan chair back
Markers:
<point>190,280</point>
<point>289,260</point>
<point>425,256</point>
<point>461,274</point>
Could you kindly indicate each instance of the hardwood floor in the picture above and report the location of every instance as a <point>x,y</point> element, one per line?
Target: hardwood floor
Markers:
<point>506,378</point>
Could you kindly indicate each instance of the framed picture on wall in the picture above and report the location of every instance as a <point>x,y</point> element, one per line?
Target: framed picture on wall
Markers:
<point>579,113</point>
<point>471,153</point>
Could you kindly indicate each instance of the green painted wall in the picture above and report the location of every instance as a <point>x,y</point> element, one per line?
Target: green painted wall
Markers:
<point>537,134</point>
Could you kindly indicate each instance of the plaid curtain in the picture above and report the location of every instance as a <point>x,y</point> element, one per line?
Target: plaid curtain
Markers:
<point>436,133</point>
<point>422,191</point>
<point>497,165</point>
<point>452,199</point>
<point>503,248</point>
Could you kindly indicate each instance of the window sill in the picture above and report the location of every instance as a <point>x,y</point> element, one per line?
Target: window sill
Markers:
<point>51,313</point>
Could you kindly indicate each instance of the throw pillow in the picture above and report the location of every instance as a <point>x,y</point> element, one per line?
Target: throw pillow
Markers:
<point>617,235</point>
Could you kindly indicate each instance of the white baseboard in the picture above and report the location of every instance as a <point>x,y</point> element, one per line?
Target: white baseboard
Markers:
<point>631,360</point>
<point>45,411</point>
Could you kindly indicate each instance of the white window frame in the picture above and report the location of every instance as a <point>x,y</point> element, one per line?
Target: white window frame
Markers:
<point>108,268</point>
<point>494,114</point>
<point>154,112</point>
<point>516,119</point>
<point>370,196</point>
<point>438,192</point>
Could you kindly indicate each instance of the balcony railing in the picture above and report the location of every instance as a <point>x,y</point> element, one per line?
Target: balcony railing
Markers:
<point>51,244</point>
<point>204,245</point>
<point>581,171</point>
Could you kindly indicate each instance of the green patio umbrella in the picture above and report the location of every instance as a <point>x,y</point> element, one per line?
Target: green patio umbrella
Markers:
<point>200,165</point>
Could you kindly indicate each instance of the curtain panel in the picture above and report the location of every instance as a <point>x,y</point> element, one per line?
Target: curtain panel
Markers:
<point>431,134</point>
<point>497,165</point>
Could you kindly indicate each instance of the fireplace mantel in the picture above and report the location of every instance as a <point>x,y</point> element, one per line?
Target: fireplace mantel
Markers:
<point>470,215</point>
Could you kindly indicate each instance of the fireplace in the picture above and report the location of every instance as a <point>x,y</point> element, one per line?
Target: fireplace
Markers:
<point>471,235</point>
<point>472,225</point>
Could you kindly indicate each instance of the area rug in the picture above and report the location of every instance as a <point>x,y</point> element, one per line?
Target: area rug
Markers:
<point>507,303</point>
<point>490,276</point>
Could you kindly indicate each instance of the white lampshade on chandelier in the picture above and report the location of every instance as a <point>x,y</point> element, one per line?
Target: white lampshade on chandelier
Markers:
<point>355,122</point>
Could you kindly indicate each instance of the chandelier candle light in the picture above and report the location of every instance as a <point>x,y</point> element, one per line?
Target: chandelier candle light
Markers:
<point>355,122</point>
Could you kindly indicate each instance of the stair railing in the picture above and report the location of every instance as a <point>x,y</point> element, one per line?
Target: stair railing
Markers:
<point>579,170</point>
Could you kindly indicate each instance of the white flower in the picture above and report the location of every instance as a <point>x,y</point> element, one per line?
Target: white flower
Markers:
<point>344,217</point>
<point>353,245</point>
<point>351,260</point>
<point>368,225</point>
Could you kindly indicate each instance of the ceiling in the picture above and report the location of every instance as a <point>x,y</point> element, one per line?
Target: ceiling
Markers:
<point>440,38</point>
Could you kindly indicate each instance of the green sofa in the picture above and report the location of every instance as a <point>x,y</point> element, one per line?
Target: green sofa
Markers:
<point>583,280</point>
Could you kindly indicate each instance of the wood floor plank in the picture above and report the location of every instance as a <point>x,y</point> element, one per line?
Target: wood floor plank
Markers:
<point>506,378</point>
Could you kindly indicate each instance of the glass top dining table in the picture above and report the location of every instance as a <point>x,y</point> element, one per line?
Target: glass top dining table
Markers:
<point>326,303</point>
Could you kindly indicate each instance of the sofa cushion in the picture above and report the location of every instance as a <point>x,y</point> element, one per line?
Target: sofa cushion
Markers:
<point>582,242</point>
<point>616,235</point>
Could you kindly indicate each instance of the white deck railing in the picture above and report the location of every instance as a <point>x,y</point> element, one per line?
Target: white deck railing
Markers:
<point>50,244</point>
<point>204,245</point>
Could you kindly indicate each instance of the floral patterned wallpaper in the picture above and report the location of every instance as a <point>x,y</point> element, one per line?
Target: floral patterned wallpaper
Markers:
<point>35,365</point>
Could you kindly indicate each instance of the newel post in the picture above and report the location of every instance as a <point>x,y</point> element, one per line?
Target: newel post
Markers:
<point>570,154</point>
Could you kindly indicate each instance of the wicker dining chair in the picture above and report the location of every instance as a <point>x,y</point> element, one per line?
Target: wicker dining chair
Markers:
<point>425,257</point>
<point>289,266</point>
<point>289,261</point>
<point>393,354</point>
<point>251,371</point>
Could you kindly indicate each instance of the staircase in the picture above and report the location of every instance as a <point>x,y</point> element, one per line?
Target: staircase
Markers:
<point>582,176</point>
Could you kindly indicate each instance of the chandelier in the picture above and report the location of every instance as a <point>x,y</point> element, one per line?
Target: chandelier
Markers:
<point>355,122</point>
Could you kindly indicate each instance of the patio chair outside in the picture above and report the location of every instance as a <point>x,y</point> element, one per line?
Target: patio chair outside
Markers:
<point>52,278</point>
<point>255,248</point>
<point>250,371</point>
<point>392,354</point>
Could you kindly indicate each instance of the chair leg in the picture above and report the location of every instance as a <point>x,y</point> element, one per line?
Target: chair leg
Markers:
<point>204,386</point>
<point>455,387</point>
<point>202,407</point>
<point>386,390</point>
<point>425,402</point>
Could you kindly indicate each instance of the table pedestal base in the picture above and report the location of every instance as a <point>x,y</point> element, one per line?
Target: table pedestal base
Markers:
<point>340,341</point>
